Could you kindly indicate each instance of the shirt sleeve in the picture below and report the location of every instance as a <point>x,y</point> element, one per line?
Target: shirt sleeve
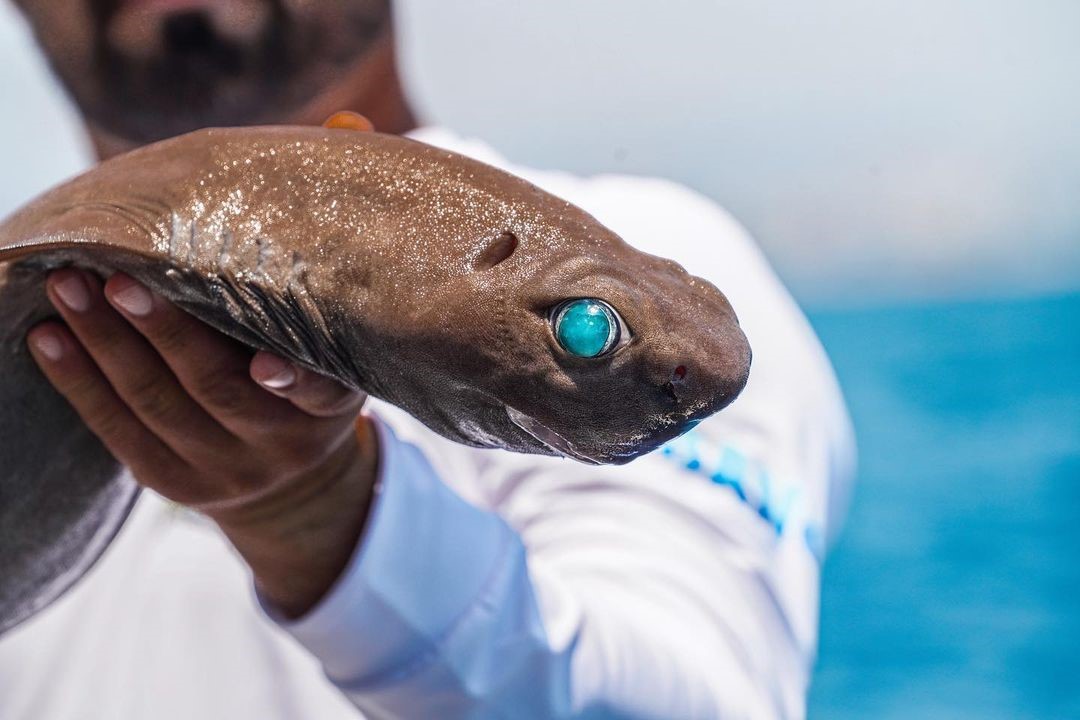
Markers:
<point>428,578</point>
<point>682,585</point>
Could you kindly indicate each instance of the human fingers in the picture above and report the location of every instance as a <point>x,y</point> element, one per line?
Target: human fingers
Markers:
<point>210,366</point>
<point>138,375</point>
<point>312,393</point>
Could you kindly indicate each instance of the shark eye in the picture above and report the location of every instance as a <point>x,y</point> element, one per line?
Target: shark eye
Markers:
<point>587,327</point>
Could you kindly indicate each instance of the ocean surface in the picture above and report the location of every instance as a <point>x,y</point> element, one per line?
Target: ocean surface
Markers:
<point>954,591</point>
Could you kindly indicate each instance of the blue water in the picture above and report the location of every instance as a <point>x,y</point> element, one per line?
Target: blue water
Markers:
<point>955,589</point>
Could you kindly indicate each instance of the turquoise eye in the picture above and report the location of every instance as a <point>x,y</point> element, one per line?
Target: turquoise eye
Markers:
<point>586,328</point>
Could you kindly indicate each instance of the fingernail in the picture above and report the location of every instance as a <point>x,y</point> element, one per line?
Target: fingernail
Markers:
<point>281,380</point>
<point>48,345</point>
<point>71,289</point>
<point>134,300</point>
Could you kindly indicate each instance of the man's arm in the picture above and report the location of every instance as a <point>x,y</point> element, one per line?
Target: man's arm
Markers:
<point>567,592</point>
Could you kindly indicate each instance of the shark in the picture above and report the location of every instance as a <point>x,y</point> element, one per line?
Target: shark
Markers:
<point>498,315</point>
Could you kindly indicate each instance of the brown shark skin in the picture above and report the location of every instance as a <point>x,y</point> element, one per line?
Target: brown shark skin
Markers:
<point>370,258</point>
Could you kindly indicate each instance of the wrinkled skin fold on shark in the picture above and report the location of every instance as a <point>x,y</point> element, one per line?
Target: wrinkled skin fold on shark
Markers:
<point>411,273</point>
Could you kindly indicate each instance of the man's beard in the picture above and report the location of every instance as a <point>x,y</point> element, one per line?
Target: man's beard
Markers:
<point>199,76</point>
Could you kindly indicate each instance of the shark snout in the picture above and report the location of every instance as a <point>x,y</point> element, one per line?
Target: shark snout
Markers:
<point>696,386</point>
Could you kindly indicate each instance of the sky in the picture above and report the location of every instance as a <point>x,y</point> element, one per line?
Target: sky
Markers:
<point>880,152</point>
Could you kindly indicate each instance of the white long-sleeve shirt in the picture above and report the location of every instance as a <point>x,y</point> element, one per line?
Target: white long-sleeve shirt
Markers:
<point>493,585</point>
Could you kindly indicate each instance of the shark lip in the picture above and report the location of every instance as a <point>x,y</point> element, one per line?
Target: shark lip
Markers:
<point>548,437</point>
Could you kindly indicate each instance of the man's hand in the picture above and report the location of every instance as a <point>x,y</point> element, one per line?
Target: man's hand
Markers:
<point>266,449</point>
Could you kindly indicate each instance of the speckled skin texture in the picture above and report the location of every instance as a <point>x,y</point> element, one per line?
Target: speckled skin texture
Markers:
<point>417,275</point>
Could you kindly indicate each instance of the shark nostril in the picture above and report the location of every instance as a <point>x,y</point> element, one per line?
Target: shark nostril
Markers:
<point>675,383</point>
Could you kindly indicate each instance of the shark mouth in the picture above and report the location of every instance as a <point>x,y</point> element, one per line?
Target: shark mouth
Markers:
<point>548,437</point>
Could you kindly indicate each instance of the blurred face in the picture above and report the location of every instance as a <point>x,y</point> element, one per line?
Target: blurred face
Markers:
<point>144,70</point>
